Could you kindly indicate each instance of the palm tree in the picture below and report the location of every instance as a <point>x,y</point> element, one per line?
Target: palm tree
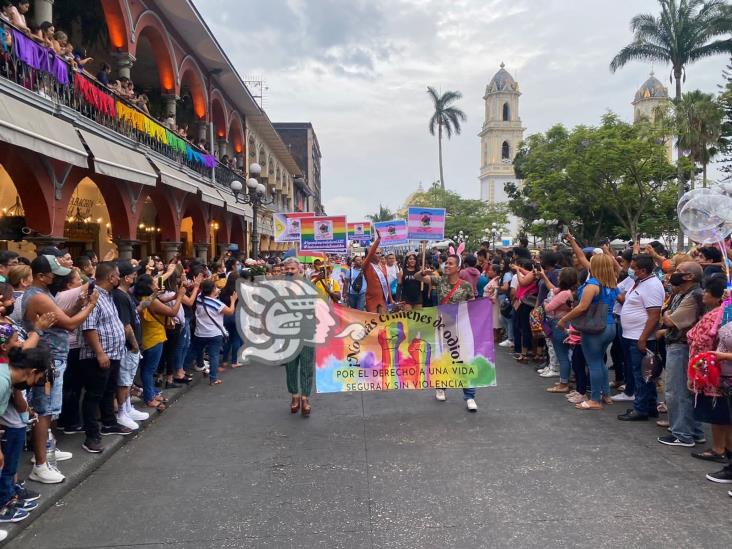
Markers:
<point>445,116</point>
<point>684,32</point>
<point>384,214</point>
<point>699,125</point>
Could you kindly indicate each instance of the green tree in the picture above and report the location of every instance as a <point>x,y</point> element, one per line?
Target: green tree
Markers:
<point>445,116</point>
<point>472,217</point>
<point>698,118</point>
<point>725,140</point>
<point>684,32</point>
<point>602,181</point>
<point>384,214</point>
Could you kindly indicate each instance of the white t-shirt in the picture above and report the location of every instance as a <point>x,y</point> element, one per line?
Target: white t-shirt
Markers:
<point>209,318</point>
<point>623,287</point>
<point>648,294</point>
<point>392,272</point>
<point>514,282</point>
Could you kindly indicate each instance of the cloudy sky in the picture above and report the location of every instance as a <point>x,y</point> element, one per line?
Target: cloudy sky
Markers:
<point>358,71</point>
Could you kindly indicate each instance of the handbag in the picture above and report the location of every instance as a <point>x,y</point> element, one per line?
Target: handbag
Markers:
<point>593,321</point>
<point>357,283</point>
<point>506,308</point>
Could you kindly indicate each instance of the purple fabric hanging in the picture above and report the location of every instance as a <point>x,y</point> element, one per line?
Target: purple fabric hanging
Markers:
<point>26,49</point>
<point>59,69</point>
<point>40,58</point>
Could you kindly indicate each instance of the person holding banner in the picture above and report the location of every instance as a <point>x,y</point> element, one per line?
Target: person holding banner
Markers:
<point>451,289</point>
<point>301,369</point>
<point>377,286</point>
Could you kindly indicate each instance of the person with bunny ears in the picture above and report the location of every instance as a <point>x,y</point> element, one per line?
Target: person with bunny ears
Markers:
<point>451,289</point>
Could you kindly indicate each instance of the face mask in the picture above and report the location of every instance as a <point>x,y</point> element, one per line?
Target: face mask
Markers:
<point>631,273</point>
<point>677,279</point>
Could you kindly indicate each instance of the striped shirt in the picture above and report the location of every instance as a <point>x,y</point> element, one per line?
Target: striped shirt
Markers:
<point>110,330</point>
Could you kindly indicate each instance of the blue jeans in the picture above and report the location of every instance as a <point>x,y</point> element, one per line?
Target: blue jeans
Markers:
<point>506,323</point>
<point>184,344</point>
<point>212,345</point>
<point>357,301</point>
<point>628,367</point>
<point>148,365</point>
<point>645,393</point>
<point>468,393</point>
<point>233,344</point>
<point>594,347</point>
<point>561,349</point>
<point>679,401</point>
<point>12,445</point>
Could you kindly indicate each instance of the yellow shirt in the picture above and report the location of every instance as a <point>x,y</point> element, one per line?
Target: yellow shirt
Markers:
<point>331,284</point>
<point>153,329</point>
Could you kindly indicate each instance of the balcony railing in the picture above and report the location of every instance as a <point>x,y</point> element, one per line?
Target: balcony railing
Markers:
<point>40,70</point>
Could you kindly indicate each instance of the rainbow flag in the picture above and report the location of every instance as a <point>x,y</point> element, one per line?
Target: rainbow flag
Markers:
<point>393,233</point>
<point>426,223</point>
<point>310,257</point>
<point>287,226</point>
<point>360,232</point>
<point>450,347</point>
<point>324,234</point>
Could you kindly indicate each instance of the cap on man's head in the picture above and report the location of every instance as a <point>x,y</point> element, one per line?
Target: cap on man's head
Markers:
<point>126,268</point>
<point>44,264</point>
<point>51,250</point>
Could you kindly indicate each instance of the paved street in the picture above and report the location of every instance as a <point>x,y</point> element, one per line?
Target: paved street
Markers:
<point>230,467</point>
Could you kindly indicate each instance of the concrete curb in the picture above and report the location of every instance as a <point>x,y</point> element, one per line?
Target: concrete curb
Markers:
<point>83,464</point>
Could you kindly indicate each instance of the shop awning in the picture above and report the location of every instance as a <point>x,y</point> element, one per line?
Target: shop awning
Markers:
<point>119,162</point>
<point>173,177</point>
<point>211,196</point>
<point>31,128</point>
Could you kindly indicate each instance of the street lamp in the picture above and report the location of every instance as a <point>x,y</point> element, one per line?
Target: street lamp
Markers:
<point>254,195</point>
<point>544,225</point>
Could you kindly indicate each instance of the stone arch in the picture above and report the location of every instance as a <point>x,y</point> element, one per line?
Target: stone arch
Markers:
<point>235,134</point>
<point>505,151</point>
<point>506,112</point>
<point>218,114</point>
<point>118,24</point>
<point>151,27</point>
<point>195,209</point>
<point>191,75</point>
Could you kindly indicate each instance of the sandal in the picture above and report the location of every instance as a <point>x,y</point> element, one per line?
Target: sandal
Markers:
<point>295,404</point>
<point>557,389</point>
<point>305,407</point>
<point>215,382</point>
<point>185,380</point>
<point>711,455</point>
<point>523,359</point>
<point>159,406</point>
<point>607,400</point>
<point>587,406</point>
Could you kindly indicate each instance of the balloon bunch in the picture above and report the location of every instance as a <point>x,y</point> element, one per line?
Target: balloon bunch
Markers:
<point>704,371</point>
<point>705,214</point>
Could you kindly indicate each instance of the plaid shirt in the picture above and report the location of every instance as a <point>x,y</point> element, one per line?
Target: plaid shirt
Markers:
<point>110,330</point>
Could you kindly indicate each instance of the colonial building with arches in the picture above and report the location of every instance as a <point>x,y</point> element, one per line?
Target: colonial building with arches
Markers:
<point>83,167</point>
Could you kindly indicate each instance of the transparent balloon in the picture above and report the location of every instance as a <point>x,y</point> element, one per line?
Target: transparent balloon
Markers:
<point>693,193</point>
<point>710,236</point>
<point>724,187</point>
<point>706,212</point>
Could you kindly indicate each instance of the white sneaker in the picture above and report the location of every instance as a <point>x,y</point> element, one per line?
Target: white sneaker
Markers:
<point>440,395</point>
<point>4,534</point>
<point>46,474</point>
<point>506,343</point>
<point>472,406</point>
<point>550,373</point>
<point>543,370</point>
<point>136,415</point>
<point>622,397</point>
<point>60,456</point>
<point>126,421</point>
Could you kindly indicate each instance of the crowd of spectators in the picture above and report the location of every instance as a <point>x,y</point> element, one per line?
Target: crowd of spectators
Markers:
<point>91,347</point>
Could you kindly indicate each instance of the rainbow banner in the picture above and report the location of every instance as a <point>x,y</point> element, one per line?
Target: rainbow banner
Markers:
<point>426,223</point>
<point>448,347</point>
<point>324,234</point>
<point>393,233</point>
<point>287,226</point>
<point>360,232</point>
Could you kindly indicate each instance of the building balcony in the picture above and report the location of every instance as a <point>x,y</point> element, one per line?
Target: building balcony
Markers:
<point>49,106</point>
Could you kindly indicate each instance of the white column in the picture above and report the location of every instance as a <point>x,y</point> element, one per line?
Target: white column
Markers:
<point>124,62</point>
<point>42,11</point>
